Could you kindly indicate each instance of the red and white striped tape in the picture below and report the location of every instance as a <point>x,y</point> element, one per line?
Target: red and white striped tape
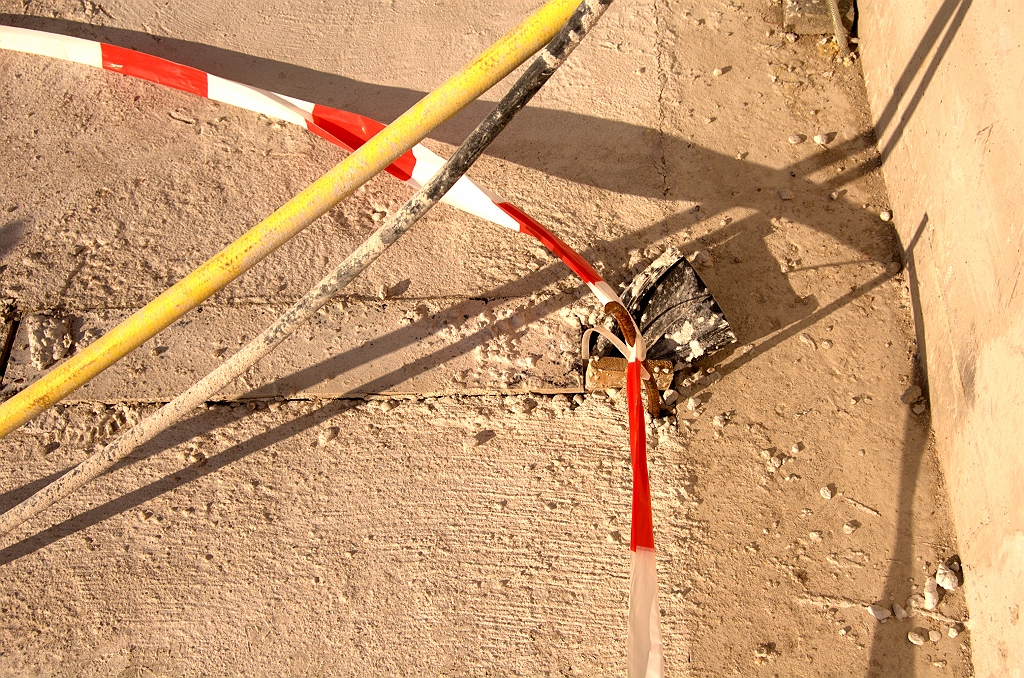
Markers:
<point>415,168</point>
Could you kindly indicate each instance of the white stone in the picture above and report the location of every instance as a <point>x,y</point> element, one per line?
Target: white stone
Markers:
<point>931,594</point>
<point>828,491</point>
<point>327,435</point>
<point>851,527</point>
<point>698,258</point>
<point>945,578</point>
<point>717,72</point>
<point>669,397</point>
<point>955,630</point>
<point>885,215</point>
<point>899,612</point>
<point>879,612</point>
<point>692,403</point>
<point>934,636</point>
<point>821,139</point>
<point>916,637</point>
<point>797,139</point>
<point>807,339</point>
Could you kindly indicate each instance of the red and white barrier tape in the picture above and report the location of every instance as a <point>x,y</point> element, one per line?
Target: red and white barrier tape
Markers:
<point>415,168</point>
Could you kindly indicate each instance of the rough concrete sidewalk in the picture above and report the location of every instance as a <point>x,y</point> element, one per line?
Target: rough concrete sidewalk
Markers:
<point>461,521</point>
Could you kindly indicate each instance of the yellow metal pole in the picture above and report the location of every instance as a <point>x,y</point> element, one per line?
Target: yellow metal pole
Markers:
<point>491,66</point>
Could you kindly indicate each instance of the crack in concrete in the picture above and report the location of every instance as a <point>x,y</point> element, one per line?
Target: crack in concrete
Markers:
<point>662,84</point>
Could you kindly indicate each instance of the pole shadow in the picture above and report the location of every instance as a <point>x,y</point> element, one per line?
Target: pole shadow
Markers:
<point>891,654</point>
<point>205,421</point>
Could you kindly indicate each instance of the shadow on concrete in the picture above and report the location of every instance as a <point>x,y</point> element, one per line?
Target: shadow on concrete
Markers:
<point>202,421</point>
<point>757,297</point>
<point>946,23</point>
<point>891,654</point>
<point>11,234</point>
<point>715,182</point>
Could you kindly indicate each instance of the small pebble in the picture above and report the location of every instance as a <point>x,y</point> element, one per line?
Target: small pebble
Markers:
<point>806,339</point>
<point>327,435</point>
<point>816,536</point>
<point>916,637</point>
<point>792,37</point>
<point>899,612</point>
<point>719,421</point>
<point>698,258</point>
<point>911,395</point>
<point>821,139</point>
<point>934,636</point>
<point>826,343</point>
<point>669,397</point>
<point>717,72</point>
<point>918,408</point>
<point>786,194</point>
<point>939,663</point>
<point>954,566</point>
<point>879,612</point>
<point>955,630</point>
<point>845,630</point>
<point>797,448</point>
<point>797,139</point>
<point>851,527</point>
<point>692,403</point>
<point>828,491</point>
<point>931,594</point>
<point>885,215</point>
<point>945,578</point>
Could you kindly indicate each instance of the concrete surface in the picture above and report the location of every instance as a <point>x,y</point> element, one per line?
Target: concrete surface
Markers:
<point>470,534</point>
<point>946,85</point>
